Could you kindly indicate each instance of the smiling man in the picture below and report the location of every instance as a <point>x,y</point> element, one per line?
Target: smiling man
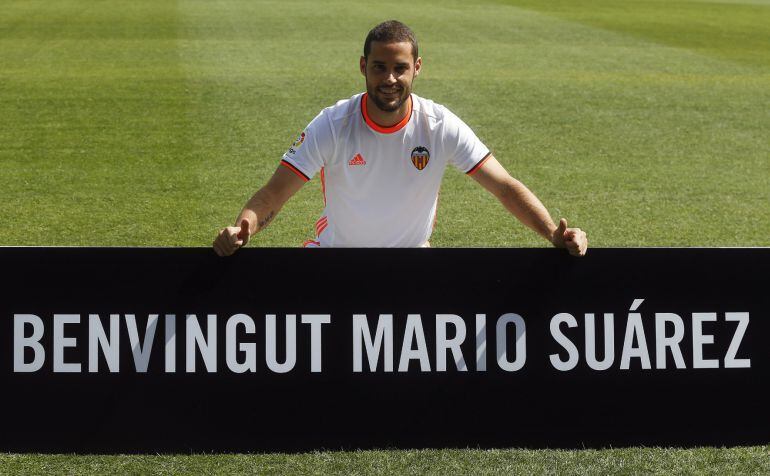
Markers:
<point>381,156</point>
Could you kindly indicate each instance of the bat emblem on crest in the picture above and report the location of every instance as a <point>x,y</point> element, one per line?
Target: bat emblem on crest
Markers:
<point>420,157</point>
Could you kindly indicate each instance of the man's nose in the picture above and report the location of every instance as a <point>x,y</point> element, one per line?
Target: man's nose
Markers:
<point>391,78</point>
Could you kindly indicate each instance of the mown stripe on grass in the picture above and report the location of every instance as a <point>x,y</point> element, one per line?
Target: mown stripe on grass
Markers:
<point>735,31</point>
<point>93,134</point>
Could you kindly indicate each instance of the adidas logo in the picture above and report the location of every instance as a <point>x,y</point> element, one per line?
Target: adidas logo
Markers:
<point>357,160</point>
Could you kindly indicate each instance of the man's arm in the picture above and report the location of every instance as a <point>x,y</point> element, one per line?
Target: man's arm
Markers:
<point>525,206</point>
<point>259,211</point>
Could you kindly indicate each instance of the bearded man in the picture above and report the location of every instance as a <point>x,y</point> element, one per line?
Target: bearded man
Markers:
<point>381,156</point>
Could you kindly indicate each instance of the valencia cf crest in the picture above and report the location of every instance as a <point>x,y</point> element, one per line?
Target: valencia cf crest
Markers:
<point>420,157</point>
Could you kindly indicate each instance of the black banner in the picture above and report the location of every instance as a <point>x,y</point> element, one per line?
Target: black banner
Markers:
<point>175,350</point>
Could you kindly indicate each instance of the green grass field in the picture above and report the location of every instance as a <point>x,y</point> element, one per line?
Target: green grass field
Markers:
<point>646,123</point>
<point>150,123</point>
<point>755,460</point>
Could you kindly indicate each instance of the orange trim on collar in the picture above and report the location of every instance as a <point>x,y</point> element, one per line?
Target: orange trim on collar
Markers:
<point>379,128</point>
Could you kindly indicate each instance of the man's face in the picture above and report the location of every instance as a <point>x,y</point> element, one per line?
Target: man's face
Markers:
<point>390,71</point>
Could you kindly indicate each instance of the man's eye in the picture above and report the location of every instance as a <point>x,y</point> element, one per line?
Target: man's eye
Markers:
<point>379,67</point>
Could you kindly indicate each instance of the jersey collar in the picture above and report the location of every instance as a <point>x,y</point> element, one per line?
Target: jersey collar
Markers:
<point>379,128</point>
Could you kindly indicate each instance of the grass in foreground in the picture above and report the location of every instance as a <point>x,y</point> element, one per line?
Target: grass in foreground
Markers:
<point>749,460</point>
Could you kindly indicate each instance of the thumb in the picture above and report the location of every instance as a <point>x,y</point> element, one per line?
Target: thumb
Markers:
<point>561,228</point>
<point>558,235</point>
<point>244,233</point>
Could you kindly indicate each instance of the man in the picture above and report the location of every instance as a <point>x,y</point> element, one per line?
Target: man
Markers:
<point>381,156</point>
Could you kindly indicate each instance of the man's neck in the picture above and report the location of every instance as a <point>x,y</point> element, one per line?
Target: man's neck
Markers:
<point>386,118</point>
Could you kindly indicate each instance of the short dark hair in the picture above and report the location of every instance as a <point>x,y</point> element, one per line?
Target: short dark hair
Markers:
<point>391,31</point>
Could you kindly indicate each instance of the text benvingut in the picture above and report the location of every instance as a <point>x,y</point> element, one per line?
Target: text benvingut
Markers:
<point>373,342</point>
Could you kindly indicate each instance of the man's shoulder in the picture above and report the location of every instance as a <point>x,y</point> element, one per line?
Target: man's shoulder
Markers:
<point>432,110</point>
<point>343,108</point>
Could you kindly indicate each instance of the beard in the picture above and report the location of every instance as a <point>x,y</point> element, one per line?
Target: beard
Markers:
<point>388,105</point>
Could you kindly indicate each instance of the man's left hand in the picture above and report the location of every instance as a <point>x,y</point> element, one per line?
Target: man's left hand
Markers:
<point>574,239</point>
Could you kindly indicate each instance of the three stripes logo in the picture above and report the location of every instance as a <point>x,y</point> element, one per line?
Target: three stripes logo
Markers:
<point>420,157</point>
<point>357,160</point>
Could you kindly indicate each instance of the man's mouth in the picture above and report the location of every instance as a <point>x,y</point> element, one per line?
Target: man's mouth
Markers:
<point>393,92</point>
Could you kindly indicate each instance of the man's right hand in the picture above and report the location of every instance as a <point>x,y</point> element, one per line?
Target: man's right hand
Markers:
<point>231,238</point>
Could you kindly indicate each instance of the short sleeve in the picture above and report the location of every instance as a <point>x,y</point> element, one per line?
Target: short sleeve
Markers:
<point>312,149</point>
<point>467,152</point>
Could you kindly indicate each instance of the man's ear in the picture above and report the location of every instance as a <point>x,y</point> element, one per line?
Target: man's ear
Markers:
<point>418,65</point>
<point>362,65</point>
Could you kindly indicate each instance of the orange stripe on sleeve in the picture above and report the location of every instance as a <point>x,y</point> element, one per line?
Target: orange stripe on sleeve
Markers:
<point>295,170</point>
<point>479,164</point>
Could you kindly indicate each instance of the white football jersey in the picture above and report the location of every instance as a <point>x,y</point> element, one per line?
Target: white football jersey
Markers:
<point>381,184</point>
